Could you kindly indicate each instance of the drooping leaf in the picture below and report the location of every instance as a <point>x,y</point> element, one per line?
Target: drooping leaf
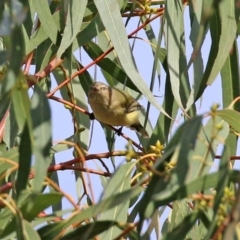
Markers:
<point>182,229</point>
<point>21,103</point>
<point>92,211</point>
<point>232,117</point>
<point>223,32</point>
<point>42,132</point>
<point>30,205</point>
<point>73,24</point>
<point>230,78</point>
<point>118,183</point>
<point>46,18</point>
<point>228,33</point>
<point>25,153</point>
<point>173,15</point>
<point>90,230</point>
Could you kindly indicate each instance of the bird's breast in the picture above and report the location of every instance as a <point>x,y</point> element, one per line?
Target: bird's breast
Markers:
<point>114,115</point>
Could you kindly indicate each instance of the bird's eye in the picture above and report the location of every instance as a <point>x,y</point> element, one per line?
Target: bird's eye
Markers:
<point>93,88</point>
<point>103,88</point>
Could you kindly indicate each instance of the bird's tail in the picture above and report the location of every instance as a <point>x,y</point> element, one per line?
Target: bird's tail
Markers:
<point>139,128</point>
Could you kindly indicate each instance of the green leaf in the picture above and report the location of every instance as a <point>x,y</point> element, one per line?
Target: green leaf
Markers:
<point>215,31</point>
<point>158,53</point>
<point>180,211</point>
<point>11,223</point>
<point>90,212</point>
<point>31,233</point>
<point>59,147</point>
<point>4,103</point>
<point>230,78</point>
<point>173,15</point>
<point>46,18</point>
<point>183,154</point>
<point>223,31</point>
<point>232,117</point>
<point>20,228</point>
<point>163,122</point>
<point>39,36</point>
<point>10,129</point>
<point>196,166</point>
<point>30,205</point>
<point>224,176</point>
<point>41,118</point>
<point>89,231</point>
<point>197,185</point>
<point>38,222</point>
<point>73,24</point>
<point>231,90</point>
<point>89,32</point>
<point>228,34</point>
<point>3,57</point>
<point>36,203</point>
<point>17,50</point>
<point>54,177</point>
<point>29,20</point>
<point>155,224</point>
<point>45,52</point>
<point>184,150</point>
<point>118,183</point>
<point>85,35</point>
<point>162,127</point>
<point>8,160</point>
<point>196,30</point>
<point>180,232</point>
<point>77,92</point>
<point>82,120</point>
<point>182,143</point>
<point>21,103</point>
<point>5,217</point>
<point>25,153</point>
<point>213,137</point>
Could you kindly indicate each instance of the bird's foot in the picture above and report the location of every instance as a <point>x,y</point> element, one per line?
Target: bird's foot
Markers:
<point>91,116</point>
<point>119,131</point>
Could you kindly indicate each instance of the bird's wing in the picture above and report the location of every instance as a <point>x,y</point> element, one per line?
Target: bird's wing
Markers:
<point>134,106</point>
<point>128,103</point>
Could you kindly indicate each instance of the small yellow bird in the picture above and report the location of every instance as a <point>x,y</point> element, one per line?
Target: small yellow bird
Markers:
<point>115,107</point>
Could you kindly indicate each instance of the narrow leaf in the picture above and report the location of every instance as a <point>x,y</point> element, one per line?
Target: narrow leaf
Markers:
<point>180,232</point>
<point>174,22</point>
<point>90,230</point>
<point>31,233</point>
<point>230,78</point>
<point>118,183</point>
<point>21,103</point>
<point>41,117</point>
<point>232,117</point>
<point>25,152</point>
<point>73,24</point>
<point>92,211</point>
<point>45,16</point>
<point>228,34</point>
